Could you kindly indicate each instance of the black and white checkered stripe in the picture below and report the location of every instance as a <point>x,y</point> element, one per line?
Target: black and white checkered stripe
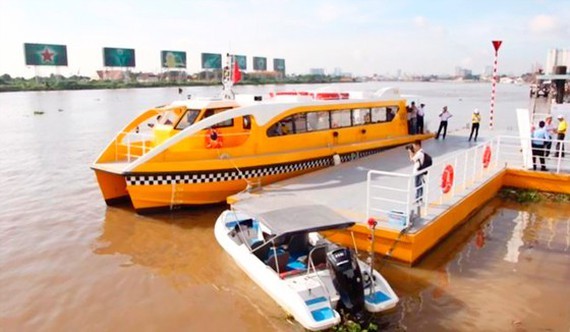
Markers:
<point>358,154</point>
<point>226,175</point>
<point>233,174</point>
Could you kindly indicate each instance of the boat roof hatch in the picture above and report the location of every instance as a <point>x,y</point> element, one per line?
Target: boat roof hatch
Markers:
<point>303,219</point>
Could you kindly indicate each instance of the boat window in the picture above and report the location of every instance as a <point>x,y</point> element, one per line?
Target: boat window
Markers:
<point>341,119</point>
<point>187,119</point>
<point>282,127</point>
<point>226,123</point>
<point>391,113</point>
<point>247,122</point>
<point>379,114</point>
<point>300,123</point>
<point>318,121</point>
<point>360,116</point>
<point>384,114</point>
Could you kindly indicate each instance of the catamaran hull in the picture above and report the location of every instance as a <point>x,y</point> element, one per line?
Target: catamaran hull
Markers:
<point>166,190</point>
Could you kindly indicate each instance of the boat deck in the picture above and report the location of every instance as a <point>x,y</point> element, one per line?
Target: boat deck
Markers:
<point>345,189</point>
<point>116,167</point>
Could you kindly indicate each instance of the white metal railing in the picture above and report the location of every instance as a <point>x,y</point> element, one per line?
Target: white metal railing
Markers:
<point>133,142</point>
<point>395,200</point>
<point>139,143</point>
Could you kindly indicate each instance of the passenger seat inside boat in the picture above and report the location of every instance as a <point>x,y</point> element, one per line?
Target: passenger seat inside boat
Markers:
<point>298,245</point>
<point>281,261</point>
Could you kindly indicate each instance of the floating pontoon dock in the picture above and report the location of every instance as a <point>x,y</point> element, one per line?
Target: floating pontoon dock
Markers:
<point>463,177</point>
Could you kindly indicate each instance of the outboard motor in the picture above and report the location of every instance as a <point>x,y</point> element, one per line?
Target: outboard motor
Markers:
<point>347,279</point>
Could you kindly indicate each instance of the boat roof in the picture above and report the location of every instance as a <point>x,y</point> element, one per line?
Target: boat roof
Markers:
<point>302,219</point>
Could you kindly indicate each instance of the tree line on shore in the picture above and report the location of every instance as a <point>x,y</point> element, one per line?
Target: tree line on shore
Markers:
<point>77,82</point>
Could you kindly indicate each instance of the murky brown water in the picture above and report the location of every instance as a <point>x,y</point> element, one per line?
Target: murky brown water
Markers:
<point>69,263</point>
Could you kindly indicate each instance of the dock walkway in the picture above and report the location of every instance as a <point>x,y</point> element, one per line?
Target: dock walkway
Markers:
<point>382,186</point>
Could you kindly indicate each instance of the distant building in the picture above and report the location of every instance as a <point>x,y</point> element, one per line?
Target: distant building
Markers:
<point>317,71</point>
<point>463,73</point>
<point>148,77</point>
<point>112,75</point>
<point>557,57</point>
<point>488,72</point>
<point>337,72</point>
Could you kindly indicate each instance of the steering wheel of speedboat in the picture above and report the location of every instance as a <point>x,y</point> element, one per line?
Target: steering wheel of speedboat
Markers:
<point>366,279</point>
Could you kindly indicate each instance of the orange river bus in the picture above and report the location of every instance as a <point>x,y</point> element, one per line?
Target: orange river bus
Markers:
<point>200,151</point>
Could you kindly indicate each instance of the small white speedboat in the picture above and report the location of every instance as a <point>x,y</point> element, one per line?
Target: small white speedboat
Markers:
<point>310,277</point>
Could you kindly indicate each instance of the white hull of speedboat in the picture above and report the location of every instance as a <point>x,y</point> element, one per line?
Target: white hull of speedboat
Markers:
<point>310,297</point>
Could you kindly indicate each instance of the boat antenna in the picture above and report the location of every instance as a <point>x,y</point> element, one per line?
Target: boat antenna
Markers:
<point>227,79</point>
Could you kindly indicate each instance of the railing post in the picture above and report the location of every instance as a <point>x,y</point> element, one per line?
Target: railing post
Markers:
<point>453,184</point>
<point>560,144</point>
<point>426,192</point>
<point>474,164</point>
<point>129,148</point>
<point>368,176</point>
<point>408,215</point>
<point>465,169</point>
<point>498,150</point>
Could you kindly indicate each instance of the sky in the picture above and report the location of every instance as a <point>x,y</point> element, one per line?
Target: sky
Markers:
<point>363,37</point>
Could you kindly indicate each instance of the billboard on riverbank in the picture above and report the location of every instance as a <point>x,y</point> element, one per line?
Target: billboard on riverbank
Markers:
<point>173,59</point>
<point>118,57</point>
<point>211,61</point>
<point>259,63</point>
<point>45,54</point>
<point>242,61</point>
<point>279,65</point>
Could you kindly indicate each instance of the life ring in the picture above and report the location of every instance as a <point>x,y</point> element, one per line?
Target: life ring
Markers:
<point>447,179</point>
<point>487,157</point>
<point>214,140</point>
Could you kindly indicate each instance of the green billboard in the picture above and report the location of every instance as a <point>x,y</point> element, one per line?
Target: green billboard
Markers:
<point>259,63</point>
<point>279,65</point>
<point>173,59</point>
<point>45,55</point>
<point>242,61</point>
<point>211,61</point>
<point>118,57</point>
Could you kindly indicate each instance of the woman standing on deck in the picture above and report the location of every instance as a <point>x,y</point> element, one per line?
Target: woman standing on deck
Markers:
<point>443,116</point>
<point>475,120</point>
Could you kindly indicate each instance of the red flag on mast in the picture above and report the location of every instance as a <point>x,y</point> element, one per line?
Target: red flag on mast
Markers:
<point>236,77</point>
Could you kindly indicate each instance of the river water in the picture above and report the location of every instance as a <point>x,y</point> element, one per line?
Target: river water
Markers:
<point>68,262</point>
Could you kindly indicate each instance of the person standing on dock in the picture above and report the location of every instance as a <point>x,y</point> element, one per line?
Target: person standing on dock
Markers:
<point>551,130</point>
<point>421,113</point>
<point>420,161</point>
<point>443,117</point>
<point>475,120</point>
<point>539,138</point>
<point>561,131</point>
<point>414,118</point>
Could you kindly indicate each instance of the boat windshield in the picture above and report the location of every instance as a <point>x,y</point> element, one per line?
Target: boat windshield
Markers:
<point>187,119</point>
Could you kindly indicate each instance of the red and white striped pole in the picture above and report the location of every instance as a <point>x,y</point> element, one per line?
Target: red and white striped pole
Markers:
<point>496,45</point>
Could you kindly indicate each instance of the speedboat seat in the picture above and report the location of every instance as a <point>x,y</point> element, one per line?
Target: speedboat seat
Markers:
<point>282,260</point>
<point>319,255</point>
<point>261,249</point>
<point>298,245</point>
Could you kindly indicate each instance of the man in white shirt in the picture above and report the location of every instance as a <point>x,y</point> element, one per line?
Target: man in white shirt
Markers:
<point>417,157</point>
<point>416,154</point>
<point>421,113</point>
<point>443,116</point>
<point>551,130</point>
